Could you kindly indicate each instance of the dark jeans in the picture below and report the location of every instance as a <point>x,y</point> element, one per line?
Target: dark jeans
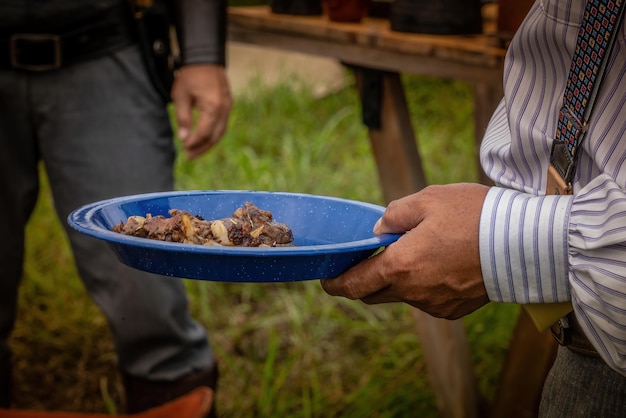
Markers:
<point>102,131</point>
<point>581,386</point>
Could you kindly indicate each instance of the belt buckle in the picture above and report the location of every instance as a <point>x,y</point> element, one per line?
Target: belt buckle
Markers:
<point>46,48</point>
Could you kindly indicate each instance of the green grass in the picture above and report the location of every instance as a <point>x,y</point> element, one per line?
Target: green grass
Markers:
<point>285,350</point>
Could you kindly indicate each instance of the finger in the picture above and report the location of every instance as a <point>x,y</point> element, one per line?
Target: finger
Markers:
<point>400,216</point>
<point>204,126</point>
<point>383,296</point>
<point>203,142</point>
<point>360,281</point>
<point>183,114</point>
<point>200,139</point>
<point>220,126</point>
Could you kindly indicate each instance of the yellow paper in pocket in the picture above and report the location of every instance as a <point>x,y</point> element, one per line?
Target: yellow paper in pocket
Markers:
<point>546,314</point>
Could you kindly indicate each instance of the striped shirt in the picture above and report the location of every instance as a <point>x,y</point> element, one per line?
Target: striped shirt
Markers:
<point>537,248</point>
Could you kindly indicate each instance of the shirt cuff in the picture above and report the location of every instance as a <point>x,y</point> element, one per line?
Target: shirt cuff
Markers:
<point>524,247</point>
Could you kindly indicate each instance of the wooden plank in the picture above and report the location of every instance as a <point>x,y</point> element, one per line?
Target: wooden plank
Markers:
<point>371,33</point>
<point>376,58</point>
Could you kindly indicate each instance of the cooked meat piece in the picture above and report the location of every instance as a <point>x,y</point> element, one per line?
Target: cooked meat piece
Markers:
<point>249,227</point>
<point>262,226</point>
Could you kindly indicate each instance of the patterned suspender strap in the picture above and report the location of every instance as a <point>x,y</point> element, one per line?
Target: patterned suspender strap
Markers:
<point>601,21</point>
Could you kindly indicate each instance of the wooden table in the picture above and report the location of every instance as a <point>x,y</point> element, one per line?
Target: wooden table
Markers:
<point>371,48</point>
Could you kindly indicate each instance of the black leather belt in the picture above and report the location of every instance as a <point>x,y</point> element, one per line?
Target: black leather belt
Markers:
<point>35,51</point>
<point>568,333</point>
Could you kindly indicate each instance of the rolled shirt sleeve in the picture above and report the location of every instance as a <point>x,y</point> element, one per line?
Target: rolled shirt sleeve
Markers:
<point>523,241</point>
<point>544,249</point>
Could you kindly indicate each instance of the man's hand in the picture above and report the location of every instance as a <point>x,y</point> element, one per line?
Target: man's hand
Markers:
<point>203,87</point>
<point>435,266</point>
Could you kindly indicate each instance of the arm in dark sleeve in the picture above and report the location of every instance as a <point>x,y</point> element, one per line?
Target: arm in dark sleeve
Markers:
<point>201,31</point>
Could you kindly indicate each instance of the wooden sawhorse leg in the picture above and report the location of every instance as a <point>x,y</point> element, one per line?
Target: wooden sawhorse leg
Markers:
<point>530,357</point>
<point>444,343</point>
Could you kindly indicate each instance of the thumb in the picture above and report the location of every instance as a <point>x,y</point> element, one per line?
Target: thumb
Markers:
<point>400,216</point>
<point>378,229</point>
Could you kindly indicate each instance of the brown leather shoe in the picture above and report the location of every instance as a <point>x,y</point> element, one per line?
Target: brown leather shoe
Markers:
<point>142,394</point>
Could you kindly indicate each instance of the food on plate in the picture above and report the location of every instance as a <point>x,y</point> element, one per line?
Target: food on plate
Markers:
<point>248,227</point>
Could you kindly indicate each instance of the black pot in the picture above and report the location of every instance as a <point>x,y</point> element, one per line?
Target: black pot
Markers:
<point>297,7</point>
<point>440,17</point>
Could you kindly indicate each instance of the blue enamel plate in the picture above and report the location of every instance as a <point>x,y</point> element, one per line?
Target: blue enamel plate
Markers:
<point>330,235</point>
